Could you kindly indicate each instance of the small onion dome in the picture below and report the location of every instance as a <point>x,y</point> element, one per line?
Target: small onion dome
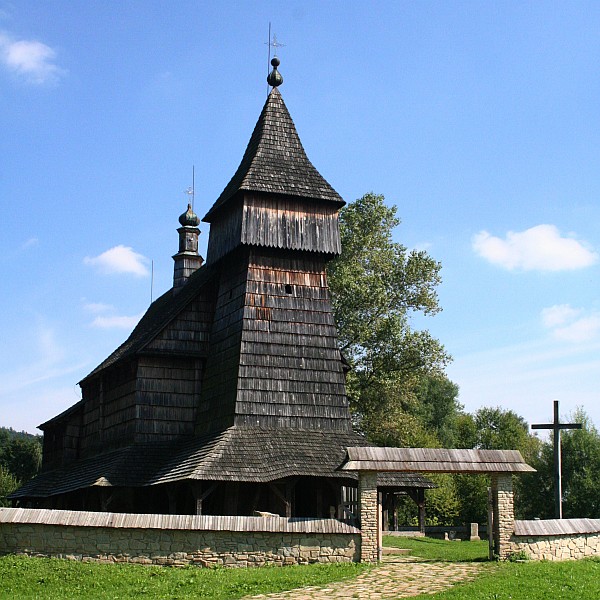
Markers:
<point>189,218</point>
<point>275,79</point>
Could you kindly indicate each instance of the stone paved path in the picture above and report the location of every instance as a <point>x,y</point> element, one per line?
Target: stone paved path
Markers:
<point>396,577</point>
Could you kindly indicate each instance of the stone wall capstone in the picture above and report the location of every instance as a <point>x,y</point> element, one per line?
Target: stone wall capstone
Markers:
<point>155,539</point>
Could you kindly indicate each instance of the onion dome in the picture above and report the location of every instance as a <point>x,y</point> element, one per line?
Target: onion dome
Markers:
<point>275,78</point>
<point>189,218</point>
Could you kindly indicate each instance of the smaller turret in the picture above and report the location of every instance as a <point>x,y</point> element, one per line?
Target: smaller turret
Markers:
<point>187,260</point>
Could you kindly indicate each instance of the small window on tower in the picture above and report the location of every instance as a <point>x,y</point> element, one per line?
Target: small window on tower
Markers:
<point>288,288</point>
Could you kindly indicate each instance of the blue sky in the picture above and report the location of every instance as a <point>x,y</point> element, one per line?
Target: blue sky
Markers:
<point>479,120</point>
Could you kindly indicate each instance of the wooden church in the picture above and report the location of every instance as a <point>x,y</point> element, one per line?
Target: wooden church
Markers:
<point>229,395</point>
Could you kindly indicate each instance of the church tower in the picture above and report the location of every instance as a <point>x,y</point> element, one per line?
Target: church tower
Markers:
<point>274,360</point>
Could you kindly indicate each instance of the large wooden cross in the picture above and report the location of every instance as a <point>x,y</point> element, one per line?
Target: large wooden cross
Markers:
<point>556,427</point>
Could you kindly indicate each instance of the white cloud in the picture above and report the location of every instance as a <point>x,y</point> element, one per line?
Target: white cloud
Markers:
<point>98,307</point>
<point>539,248</point>
<point>585,329</point>
<point>47,360</point>
<point>30,59</point>
<point>120,259</point>
<point>116,321</point>
<point>572,325</point>
<point>559,314</point>
<point>30,243</point>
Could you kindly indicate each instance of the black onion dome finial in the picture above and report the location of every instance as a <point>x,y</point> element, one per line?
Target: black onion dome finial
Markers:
<point>275,78</point>
<point>189,218</point>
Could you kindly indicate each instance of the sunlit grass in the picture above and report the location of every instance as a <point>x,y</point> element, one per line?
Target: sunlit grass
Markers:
<point>532,580</point>
<point>434,549</point>
<point>54,579</point>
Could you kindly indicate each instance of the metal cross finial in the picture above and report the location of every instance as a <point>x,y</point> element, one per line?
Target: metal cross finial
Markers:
<point>191,191</point>
<point>275,44</point>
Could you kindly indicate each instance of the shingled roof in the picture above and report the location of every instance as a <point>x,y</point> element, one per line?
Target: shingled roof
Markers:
<point>163,310</point>
<point>250,454</point>
<point>275,161</point>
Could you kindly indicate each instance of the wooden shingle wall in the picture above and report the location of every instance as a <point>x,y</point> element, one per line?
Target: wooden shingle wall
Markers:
<point>118,406</point>
<point>189,332</point>
<point>290,224</point>
<point>61,441</point>
<point>290,368</point>
<point>167,397</point>
<point>91,391</point>
<point>225,233</point>
<point>275,222</point>
<point>108,419</point>
<point>219,385</point>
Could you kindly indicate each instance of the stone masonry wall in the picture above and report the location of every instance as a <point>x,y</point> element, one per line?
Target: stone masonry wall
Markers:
<point>563,547</point>
<point>557,539</point>
<point>180,546</point>
<point>369,516</point>
<point>502,490</point>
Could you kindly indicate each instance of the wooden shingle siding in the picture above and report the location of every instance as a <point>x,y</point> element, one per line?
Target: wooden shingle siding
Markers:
<point>167,397</point>
<point>188,332</point>
<point>290,371</point>
<point>225,234</point>
<point>290,224</point>
<point>219,384</point>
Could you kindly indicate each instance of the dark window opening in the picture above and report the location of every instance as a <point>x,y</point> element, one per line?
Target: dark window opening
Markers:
<point>288,288</point>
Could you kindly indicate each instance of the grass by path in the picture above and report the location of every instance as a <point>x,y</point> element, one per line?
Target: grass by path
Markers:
<point>53,579</point>
<point>443,550</point>
<point>531,580</point>
<point>572,580</point>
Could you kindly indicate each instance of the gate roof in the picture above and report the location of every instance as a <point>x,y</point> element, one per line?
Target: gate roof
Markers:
<point>435,460</point>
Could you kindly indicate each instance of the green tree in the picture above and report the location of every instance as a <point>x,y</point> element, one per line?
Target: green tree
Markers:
<point>492,429</point>
<point>581,469</point>
<point>22,457</point>
<point>580,474</point>
<point>8,484</point>
<point>438,409</point>
<point>377,285</point>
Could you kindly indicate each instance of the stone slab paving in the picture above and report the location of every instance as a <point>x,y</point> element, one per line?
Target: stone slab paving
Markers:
<point>395,577</point>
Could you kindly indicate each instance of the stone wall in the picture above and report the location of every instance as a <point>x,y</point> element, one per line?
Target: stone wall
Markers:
<point>176,539</point>
<point>369,516</point>
<point>557,539</point>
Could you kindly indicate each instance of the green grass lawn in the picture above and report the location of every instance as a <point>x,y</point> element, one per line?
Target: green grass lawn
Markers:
<point>49,579</point>
<point>433,549</point>
<point>572,580</point>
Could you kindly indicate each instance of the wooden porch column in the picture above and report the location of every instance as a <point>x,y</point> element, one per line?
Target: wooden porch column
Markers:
<point>421,505</point>
<point>369,517</point>
<point>504,514</point>
<point>417,495</point>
